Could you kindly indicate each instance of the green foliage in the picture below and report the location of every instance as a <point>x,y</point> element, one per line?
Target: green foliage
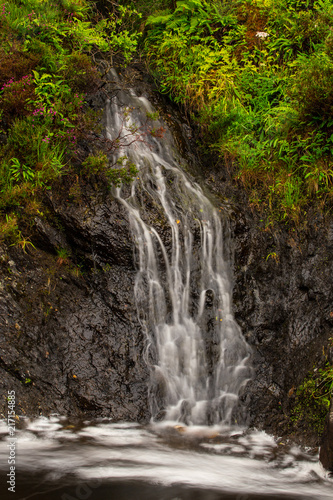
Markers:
<point>63,256</point>
<point>146,7</point>
<point>313,399</point>
<point>257,76</point>
<point>95,164</point>
<point>122,36</point>
<point>47,51</point>
<point>9,229</point>
<point>43,154</point>
<point>20,172</point>
<point>153,116</point>
<point>125,174</point>
<point>274,256</point>
<point>98,164</point>
<point>23,242</point>
<point>184,53</point>
<point>49,90</point>
<point>312,88</point>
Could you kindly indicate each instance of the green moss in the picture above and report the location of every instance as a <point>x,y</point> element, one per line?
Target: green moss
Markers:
<point>95,164</point>
<point>313,399</point>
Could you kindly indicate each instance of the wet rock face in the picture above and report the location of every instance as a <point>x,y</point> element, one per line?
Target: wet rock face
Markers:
<point>326,450</point>
<point>70,341</point>
<point>283,301</point>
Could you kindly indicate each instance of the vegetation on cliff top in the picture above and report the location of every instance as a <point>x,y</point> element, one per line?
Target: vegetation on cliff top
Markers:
<point>47,72</point>
<point>258,76</point>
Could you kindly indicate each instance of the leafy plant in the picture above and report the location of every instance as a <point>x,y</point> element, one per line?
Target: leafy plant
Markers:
<point>153,116</point>
<point>63,256</point>
<point>23,242</point>
<point>20,172</point>
<point>313,398</point>
<point>124,174</point>
<point>15,63</point>
<point>274,256</point>
<point>95,164</point>
<point>79,73</point>
<point>48,90</point>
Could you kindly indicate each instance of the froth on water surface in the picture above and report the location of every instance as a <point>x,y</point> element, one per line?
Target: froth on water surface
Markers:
<point>105,460</point>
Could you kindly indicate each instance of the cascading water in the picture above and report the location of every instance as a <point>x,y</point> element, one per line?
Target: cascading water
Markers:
<point>183,291</point>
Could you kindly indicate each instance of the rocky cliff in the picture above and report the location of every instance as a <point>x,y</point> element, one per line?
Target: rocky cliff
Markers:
<point>71,342</point>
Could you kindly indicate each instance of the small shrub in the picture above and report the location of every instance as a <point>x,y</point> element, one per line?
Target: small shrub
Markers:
<point>16,64</point>
<point>153,116</point>
<point>157,132</point>
<point>38,144</point>
<point>80,74</point>
<point>49,89</point>
<point>49,58</point>
<point>313,399</point>
<point>313,88</point>
<point>77,8</point>
<point>95,164</point>
<point>125,174</point>
<point>23,242</point>
<point>63,256</point>
<point>75,192</point>
<point>16,97</point>
<point>89,123</point>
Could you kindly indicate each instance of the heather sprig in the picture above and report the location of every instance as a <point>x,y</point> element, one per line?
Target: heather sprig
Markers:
<point>46,72</point>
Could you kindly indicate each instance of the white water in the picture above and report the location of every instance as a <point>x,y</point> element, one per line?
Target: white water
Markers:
<point>197,353</point>
<point>130,462</point>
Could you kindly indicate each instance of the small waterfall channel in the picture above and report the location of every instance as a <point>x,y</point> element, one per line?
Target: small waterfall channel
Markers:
<point>196,351</point>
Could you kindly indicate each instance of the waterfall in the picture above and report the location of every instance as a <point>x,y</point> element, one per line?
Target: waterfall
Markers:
<point>195,349</point>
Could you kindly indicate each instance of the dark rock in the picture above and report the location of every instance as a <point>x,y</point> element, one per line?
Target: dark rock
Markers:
<point>50,237</point>
<point>98,230</point>
<point>283,302</point>
<point>71,343</point>
<point>326,449</point>
<point>3,138</point>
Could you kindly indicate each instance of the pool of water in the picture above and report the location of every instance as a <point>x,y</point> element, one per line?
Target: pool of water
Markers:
<point>60,459</point>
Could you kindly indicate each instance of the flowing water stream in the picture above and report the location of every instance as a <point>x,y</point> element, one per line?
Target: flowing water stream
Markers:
<point>195,447</point>
<point>196,351</point>
<point>58,459</point>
